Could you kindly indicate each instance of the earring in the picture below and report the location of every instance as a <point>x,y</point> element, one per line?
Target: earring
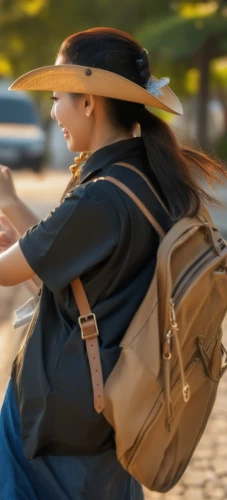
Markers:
<point>82,158</point>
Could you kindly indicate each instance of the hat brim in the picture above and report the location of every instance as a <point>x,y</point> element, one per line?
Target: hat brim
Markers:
<point>76,79</point>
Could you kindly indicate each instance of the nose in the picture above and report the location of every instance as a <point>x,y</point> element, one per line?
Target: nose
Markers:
<point>52,114</point>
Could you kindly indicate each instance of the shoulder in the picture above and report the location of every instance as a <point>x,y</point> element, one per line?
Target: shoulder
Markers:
<point>97,190</point>
<point>89,204</point>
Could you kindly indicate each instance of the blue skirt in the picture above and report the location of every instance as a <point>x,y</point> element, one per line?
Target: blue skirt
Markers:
<point>93,477</point>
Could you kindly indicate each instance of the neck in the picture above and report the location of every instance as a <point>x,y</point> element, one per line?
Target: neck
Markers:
<point>110,139</point>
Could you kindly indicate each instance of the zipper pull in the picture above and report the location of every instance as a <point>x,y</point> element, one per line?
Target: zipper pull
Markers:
<point>172,313</point>
<point>167,357</point>
<point>167,347</point>
<point>174,331</point>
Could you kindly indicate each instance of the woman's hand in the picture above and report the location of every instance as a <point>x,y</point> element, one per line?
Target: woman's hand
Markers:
<point>8,235</point>
<point>8,194</point>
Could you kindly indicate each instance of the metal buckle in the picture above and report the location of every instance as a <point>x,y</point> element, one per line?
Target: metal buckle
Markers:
<point>82,320</point>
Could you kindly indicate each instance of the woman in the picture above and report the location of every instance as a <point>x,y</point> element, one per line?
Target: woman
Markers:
<point>54,444</point>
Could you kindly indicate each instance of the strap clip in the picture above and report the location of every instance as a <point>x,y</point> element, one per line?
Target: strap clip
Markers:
<point>88,326</point>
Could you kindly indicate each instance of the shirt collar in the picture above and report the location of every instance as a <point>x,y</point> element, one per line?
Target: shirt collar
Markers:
<point>125,150</point>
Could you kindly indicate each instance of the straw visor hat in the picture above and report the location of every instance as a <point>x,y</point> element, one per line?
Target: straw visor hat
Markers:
<point>89,80</point>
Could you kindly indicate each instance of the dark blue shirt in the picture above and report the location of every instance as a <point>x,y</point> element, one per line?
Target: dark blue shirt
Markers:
<point>98,234</point>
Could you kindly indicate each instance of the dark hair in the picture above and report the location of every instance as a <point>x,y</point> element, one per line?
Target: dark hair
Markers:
<point>176,168</point>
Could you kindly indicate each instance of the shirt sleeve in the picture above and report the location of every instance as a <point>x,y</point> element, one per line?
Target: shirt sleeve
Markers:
<point>77,235</point>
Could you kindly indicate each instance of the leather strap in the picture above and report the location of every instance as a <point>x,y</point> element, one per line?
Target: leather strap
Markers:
<point>137,201</point>
<point>127,165</point>
<point>156,206</point>
<point>87,319</point>
<point>90,334</point>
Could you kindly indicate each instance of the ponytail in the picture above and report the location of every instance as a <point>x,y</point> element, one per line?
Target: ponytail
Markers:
<point>178,169</point>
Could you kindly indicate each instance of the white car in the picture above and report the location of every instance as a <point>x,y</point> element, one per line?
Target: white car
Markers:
<point>22,139</point>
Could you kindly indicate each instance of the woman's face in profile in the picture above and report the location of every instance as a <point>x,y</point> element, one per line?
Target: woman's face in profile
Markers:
<point>69,111</point>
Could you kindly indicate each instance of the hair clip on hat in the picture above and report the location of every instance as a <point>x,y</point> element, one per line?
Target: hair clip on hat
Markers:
<point>154,87</point>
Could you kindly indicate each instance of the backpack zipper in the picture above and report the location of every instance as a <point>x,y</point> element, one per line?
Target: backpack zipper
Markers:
<point>195,264</point>
<point>173,332</point>
<point>167,355</point>
<point>194,358</point>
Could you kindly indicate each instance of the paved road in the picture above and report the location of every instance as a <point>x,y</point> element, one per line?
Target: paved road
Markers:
<point>206,477</point>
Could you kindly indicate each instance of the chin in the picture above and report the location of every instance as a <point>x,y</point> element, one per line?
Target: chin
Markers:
<point>69,146</point>
<point>72,147</point>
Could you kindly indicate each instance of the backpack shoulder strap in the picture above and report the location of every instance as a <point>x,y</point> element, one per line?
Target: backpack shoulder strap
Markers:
<point>87,320</point>
<point>90,333</point>
<point>137,201</point>
<point>161,222</point>
<point>134,169</point>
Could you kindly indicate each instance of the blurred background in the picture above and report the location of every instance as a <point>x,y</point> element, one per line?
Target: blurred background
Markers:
<point>187,41</point>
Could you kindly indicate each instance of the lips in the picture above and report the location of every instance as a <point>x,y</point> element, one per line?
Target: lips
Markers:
<point>65,132</point>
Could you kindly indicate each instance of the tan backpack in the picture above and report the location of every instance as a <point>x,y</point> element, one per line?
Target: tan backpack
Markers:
<point>160,394</point>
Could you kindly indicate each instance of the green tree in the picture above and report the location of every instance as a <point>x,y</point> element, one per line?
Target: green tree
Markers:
<point>32,30</point>
<point>178,34</point>
<point>190,39</point>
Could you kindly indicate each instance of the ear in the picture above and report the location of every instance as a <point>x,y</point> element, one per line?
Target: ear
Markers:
<point>89,104</point>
